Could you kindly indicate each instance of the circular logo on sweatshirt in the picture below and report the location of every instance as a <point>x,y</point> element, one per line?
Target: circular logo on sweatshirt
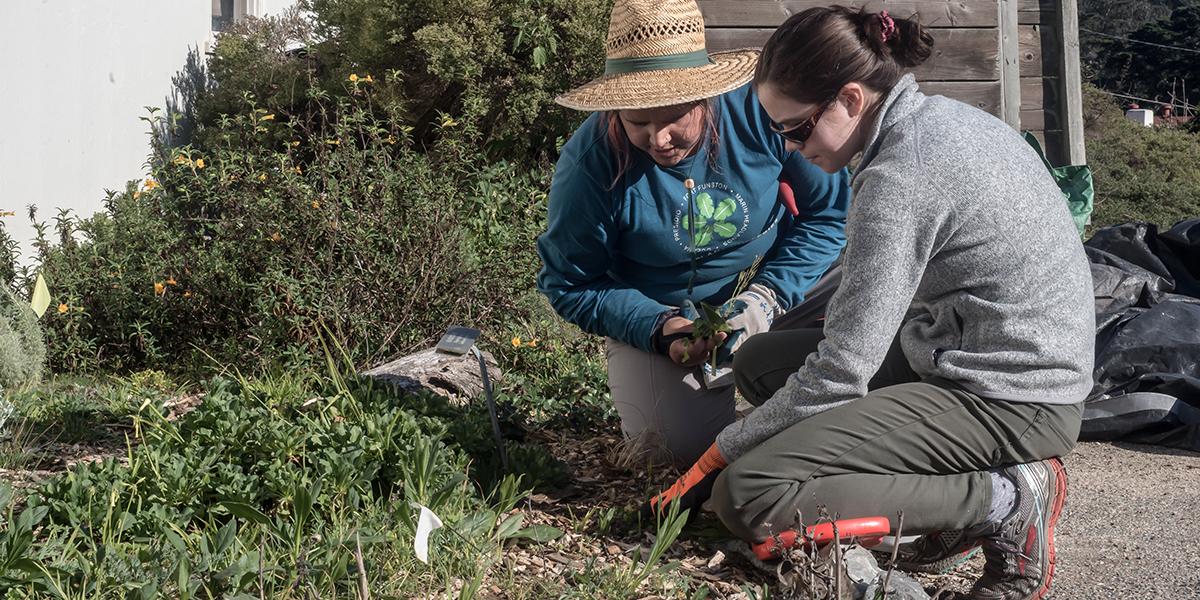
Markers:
<point>717,217</point>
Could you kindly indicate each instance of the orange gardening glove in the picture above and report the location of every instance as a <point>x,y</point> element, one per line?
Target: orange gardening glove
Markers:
<point>694,487</point>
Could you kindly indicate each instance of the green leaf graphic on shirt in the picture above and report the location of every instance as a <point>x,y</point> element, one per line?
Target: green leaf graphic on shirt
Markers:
<point>724,210</point>
<point>704,203</point>
<point>711,220</point>
<point>725,230</point>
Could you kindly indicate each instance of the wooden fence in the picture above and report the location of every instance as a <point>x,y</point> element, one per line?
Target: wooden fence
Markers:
<point>1017,59</point>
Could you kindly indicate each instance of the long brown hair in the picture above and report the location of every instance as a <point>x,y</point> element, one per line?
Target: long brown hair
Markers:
<point>818,51</point>
<point>618,140</point>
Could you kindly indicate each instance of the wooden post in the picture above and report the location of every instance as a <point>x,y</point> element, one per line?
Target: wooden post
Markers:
<point>1010,65</point>
<point>1070,84</point>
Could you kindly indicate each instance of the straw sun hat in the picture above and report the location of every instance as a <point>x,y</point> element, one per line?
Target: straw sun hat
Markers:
<point>656,57</point>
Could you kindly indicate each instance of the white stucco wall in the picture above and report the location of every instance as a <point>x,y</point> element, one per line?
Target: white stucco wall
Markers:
<point>75,75</point>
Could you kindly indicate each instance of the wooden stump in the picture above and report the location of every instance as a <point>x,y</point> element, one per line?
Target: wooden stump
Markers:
<point>456,377</point>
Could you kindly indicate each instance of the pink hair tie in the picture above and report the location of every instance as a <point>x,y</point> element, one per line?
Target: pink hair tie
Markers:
<point>887,27</point>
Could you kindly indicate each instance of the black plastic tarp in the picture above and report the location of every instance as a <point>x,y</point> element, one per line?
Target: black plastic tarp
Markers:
<point>1147,374</point>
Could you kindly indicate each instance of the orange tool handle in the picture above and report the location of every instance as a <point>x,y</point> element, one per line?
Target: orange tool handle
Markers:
<point>868,529</point>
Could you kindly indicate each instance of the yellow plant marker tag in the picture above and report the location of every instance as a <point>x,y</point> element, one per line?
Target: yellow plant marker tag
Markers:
<point>41,297</point>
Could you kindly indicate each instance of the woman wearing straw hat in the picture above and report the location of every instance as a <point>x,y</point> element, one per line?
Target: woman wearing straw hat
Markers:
<point>961,249</point>
<point>667,194</point>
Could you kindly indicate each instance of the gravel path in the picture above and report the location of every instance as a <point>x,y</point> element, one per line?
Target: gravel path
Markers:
<point>1131,527</point>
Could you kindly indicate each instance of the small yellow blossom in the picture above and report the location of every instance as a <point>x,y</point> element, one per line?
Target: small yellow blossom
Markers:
<point>270,117</point>
<point>150,184</point>
<point>448,121</point>
<point>298,170</point>
<point>171,281</point>
<point>353,77</point>
<point>295,143</point>
<point>368,79</point>
<point>391,139</point>
<point>532,343</point>
<point>199,163</point>
<point>137,195</point>
<point>316,204</point>
<point>516,341</point>
<point>262,177</point>
<point>159,288</point>
<point>275,237</point>
<point>62,308</point>
<point>187,294</point>
<point>181,160</point>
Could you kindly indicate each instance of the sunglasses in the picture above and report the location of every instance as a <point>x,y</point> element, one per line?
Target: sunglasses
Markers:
<point>800,133</point>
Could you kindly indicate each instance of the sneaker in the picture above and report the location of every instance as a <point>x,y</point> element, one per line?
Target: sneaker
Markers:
<point>935,553</point>
<point>1019,551</point>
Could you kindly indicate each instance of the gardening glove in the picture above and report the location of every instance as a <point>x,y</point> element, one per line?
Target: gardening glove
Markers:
<point>749,313</point>
<point>693,488</point>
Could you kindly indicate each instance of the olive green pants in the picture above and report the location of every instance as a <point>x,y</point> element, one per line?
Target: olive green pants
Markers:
<point>921,447</point>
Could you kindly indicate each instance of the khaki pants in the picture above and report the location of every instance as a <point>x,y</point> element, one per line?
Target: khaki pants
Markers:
<point>667,415</point>
<point>921,447</point>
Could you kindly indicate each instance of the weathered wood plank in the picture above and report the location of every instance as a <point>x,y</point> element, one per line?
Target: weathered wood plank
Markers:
<point>1010,65</point>
<point>984,95</point>
<point>1034,17</point>
<point>771,13</point>
<point>959,54</point>
<point>1033,92</point>
<point>1030,40</point>
<point>1071,98</point>
<point>1043,5</point>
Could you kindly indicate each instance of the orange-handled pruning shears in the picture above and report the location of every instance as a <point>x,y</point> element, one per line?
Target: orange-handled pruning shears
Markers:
<point>867,530</point>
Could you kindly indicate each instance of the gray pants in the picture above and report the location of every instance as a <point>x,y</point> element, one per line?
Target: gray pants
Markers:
<point>667,414</point>
<point>921,447</point>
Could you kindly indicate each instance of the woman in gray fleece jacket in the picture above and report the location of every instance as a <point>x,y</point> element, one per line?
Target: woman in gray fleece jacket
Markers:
<point>957,350</point>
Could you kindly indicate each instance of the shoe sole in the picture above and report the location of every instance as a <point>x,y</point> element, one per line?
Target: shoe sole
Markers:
<point>1060,498</point>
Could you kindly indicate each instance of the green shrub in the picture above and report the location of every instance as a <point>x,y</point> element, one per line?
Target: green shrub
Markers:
<point>22,351</point>
<point>243,252</point>
<point>1141,173</point>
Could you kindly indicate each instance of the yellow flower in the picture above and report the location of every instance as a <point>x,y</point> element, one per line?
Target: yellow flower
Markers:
<point>199,163</point>
<point>391,139</point>
<point>532,343</point>
<point>181,160</point>
<point>171,281</point>
<point>295,143</point>
<point>159,288</point>
<point>262,177</point>
<point>270,117</point>
<point>137,195</point>
<point>298,170</point>
<point>316,204</point>
<point>368,78</point>
<point>353,77</point>
<point>448,121</point>
<point>187,294</point>
<point>275,237</point>
<point>62,308</point>
<point>150,184</point>
<point>516,341</point>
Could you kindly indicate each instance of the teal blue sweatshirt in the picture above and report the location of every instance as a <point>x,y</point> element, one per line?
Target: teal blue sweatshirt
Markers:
<point>616,256</point>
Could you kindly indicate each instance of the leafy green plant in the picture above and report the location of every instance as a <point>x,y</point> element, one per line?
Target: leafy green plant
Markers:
<point>22,351</point>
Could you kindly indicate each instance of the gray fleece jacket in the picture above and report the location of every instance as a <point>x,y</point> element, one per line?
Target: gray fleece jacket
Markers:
<point>958,238</point>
